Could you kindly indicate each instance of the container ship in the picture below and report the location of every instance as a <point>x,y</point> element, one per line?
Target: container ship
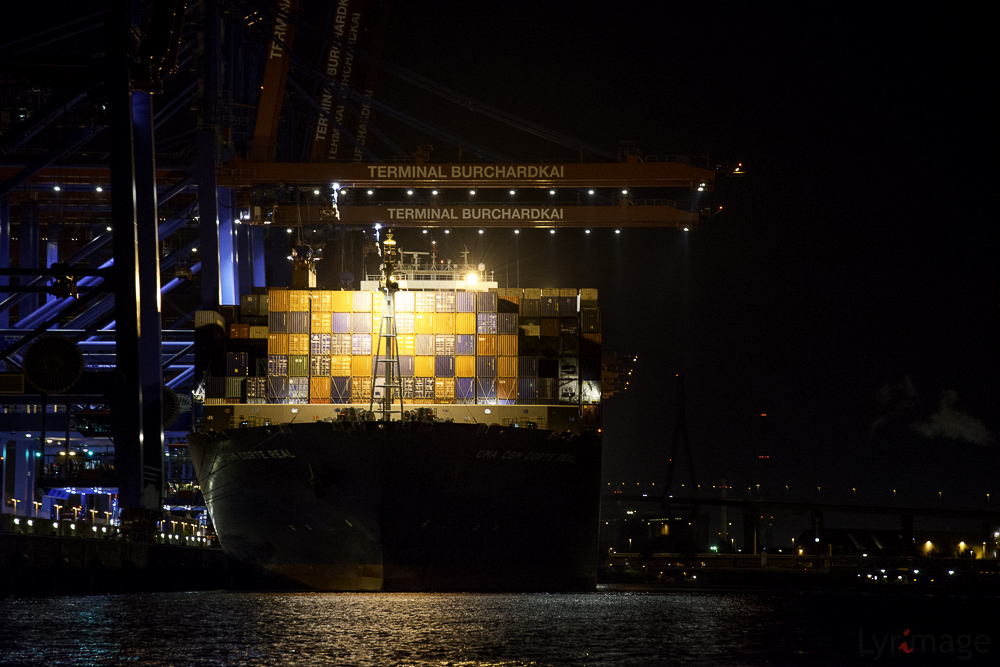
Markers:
<point>426,432</point>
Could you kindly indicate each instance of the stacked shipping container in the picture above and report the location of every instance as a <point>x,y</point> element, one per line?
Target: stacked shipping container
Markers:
<point>509,346</point>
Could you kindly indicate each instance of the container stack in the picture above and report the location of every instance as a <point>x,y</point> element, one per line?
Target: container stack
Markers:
<point>508,346</point>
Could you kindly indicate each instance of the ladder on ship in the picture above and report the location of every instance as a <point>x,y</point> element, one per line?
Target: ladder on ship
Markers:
<point>386,376</point>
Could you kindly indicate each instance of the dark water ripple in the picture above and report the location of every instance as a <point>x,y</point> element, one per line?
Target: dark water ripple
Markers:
<point>464,630</point>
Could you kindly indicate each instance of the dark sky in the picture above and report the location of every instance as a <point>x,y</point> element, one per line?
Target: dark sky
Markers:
<point>854,259</point>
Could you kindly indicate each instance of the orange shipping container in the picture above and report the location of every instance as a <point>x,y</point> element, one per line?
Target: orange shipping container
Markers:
<point>508,344</point>
<point>340,364</point>
<point>277,301</point>
<point>361,365</point>
<point>506,366</point>
<point>465,323</point>
<point>507,388</point>
<point>423,366</point>
<point>319,387</point>
<point>299,301</point>
<point>277,343</point>
<point>465,366</point>
<point>340,302</point>
<point>486,345</point>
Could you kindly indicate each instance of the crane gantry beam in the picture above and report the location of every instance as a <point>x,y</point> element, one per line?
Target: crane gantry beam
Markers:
<point>631,174</point>
<point>542,216</point>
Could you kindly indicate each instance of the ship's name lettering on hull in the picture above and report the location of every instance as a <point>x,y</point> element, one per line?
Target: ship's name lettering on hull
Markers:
<point>466,171</point>
<point>261,455</point>
<point>505,213</point>
<point>510,455</point>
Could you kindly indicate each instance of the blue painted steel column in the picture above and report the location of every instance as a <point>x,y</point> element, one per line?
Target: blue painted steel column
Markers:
<point>245,265</point>
<point>51,251</point>
<point>4,259</point>
<point>150,342</point>
<point>257,254</point>
<point>127,393</point>
<point>228,255</point>
<point>207,162</point>
<point>28,238</point>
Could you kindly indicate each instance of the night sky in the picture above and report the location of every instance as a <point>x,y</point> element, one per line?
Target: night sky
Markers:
<point>847,289</point>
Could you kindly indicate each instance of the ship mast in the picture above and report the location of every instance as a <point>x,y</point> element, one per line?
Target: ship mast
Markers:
<point>389,380</point>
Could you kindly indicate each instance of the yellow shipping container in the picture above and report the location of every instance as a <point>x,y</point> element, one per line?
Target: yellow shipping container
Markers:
<point>361,365</point>
<point>277,343</point>
<point>403,302</point>
<point>258,332</point>
<point>423,366</point>
<point>405,344</point>
<point>508,346</point>
<point>299,301</point>
<point>319,387</point>
<point>465,323</point>
<point>361,302</point>
<point>444,389</point>
<point>320,322</point>
<point>298,343</point>
<point>486,345</point>
<point>322,302</point>
<point>532,293</point>
<point>340,301</point>
<point>277,301</point>
<point>404,322</point>
<point>465,366</point>
<point>444,323</point>
<point>423,323</point>
<point>567,291</point>
<point>340,365</point>
<point>507,366</point>
<point>361,388</point>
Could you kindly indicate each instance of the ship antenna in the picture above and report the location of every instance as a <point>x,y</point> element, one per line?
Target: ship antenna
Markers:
<point>391,377</point>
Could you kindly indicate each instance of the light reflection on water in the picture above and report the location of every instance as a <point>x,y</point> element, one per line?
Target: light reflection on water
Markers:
<point>423,630</point>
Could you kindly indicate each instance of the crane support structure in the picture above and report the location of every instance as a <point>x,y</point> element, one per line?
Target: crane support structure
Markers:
<point>489,215</point>
<point>240,173</point>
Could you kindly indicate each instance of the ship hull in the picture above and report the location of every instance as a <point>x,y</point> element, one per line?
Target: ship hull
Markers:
<point>406,506</point>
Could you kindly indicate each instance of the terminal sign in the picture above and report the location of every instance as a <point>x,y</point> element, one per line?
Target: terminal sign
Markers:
<point>465,171</point>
